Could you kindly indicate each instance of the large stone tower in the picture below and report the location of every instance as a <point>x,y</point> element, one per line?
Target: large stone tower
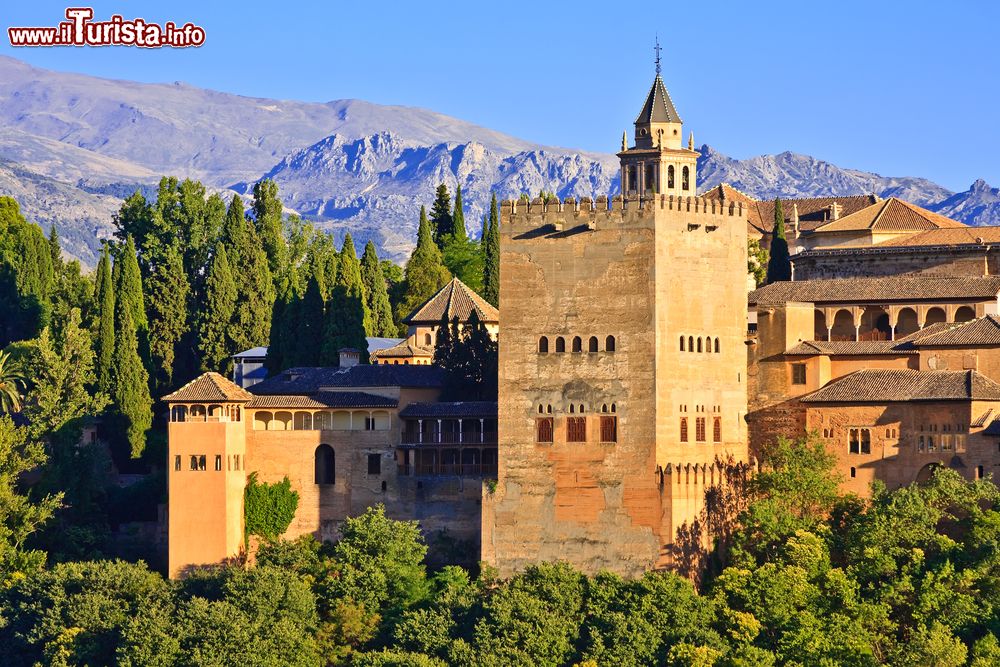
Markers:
<point>622,362</point>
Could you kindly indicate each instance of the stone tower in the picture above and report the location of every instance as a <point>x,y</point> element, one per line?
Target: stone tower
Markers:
<point>622,363</point>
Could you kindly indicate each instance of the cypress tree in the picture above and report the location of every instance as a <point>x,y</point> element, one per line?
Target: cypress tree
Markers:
<point>491,256</point>
<point>444,345</point>
<point>376,294</point>
<point>104,338</point>
<point>55,251</point>
<point>129,291</point>
<point>425,273</point>
<point>278,340</point>
<point>458,217</point>
<point>346,314</point>
<point>133,406</point>
<point>442,224</point>
<point>167,288</point>
<point>267,217</point>
<point>214,320</point>
<point>779,266</point>
<point>255,293</point>
<point>309,326</point>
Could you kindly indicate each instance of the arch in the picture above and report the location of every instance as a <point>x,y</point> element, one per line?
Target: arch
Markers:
<point>925,473</point>
<point>560,344</point>
<point>716,345</point>
<point>322,421</point>
<point>875,324</point>
<point>699,343</point>
<point>685,178</point>
<point>708,344</point>
<point>604,408</point>
<point>215,412</point>
<point>581,408</point>
<point>381,420</point>
<point>548,408</point>
<point>670,176</point>
<point>906,322</point>
<point>282,422</point>
<point>197,413</point>
<point>261,419</point>
<point>428,340</point>
<point>325,465</point>
<point>934,316</point>
<point>690,343</point>
<point>592,344</point>
<point>543,345</point>
<point>341,420</point>
<point>682,344</point>
<point>178,413</point>
<point>577,344</point>
<point>609,344</point>
<point>965,313</point>
<point>302,421</point>
<point>572,409</point>
<point>854,471</point>
<point>819,326</point>
<point>541,409</point>
<point>613,407</point>
<point>843,326</point>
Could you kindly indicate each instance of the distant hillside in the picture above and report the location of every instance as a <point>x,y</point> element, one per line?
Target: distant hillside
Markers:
<point>73,145</point>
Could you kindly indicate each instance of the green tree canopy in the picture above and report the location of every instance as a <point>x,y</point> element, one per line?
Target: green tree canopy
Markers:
<point>376,294</point>
<point>424,274</point>
<point>779,265</point>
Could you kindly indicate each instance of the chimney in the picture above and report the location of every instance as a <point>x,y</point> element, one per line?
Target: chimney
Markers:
<point>835,211</point>
<point>795,217</point>
<point>349,357</point>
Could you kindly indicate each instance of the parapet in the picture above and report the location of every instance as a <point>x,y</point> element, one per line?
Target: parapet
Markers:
<point>559,216</point>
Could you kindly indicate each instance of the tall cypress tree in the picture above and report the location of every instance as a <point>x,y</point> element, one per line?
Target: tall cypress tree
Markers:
<point>104,336</point>
<point>779,266</point>
<point>255,294</point>
<point>129,291</point>
<point>425,273</point>
<point>133,406</point>
<point>376,294</point>
<point>346,313</point>
<point>214,320</point>
<point>491,256</point>
<point>458,217</point>
<point>267,217</point>
<point>442,224</point>
<point>167,288</point>
<point>310,327</point>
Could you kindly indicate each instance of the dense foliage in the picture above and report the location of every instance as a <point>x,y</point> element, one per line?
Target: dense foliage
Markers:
<point>268,509</point>
<point>779,263</point>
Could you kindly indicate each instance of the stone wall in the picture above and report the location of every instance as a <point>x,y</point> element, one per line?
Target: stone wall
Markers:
<point>953,261</point>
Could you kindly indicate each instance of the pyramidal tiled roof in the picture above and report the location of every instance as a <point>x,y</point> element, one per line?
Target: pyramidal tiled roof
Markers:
<point>456,299</point>
<point>404,349</point>
<point>897,385</point>
<point>658,107</point>
<point>209,387</point>
<point>891,214</point>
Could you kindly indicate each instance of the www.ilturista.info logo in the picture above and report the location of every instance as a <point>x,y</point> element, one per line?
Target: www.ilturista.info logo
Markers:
<point>81,30</point>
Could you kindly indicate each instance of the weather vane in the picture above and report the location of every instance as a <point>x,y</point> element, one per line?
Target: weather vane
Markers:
<point>657,50</point>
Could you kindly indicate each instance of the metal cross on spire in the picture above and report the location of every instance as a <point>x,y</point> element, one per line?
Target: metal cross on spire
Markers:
<point>656,49</point>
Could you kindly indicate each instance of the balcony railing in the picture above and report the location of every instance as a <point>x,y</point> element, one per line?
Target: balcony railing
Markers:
<point>449,438</point>
<point>449,469</point>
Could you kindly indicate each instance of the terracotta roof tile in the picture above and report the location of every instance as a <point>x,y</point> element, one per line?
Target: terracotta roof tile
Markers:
<point>471,409</point>
<point>983,419</point>
<point>209,387</point>
<point>893,386</point>
<point>403,349</point>
<point>457,300</point>
<point>325,399</point>
<point>982,331</point>
<point>946,237</point>
<point>890,215</point>
<point>888,288</point>
<point>813,211</point>
<point>840,348</point>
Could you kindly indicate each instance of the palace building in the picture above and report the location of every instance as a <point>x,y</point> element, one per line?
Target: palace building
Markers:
<point>622,361</point>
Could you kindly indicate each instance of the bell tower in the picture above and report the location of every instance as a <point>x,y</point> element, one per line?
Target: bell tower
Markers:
<point>658,163</point>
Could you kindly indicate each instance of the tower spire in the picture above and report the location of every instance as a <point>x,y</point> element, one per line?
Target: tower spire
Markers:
<point>656,49</point>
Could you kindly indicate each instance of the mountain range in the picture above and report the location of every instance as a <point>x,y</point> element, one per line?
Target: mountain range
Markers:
<point>72,146</point>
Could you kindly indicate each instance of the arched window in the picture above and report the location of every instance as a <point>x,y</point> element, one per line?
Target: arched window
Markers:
<point>560,344</point>
<point>613,407</point>
<point>548,408</point>
<point>609,344</point>
<point>670,176</point>
<point>854,471</point>
<point>581,408</point>
<point>699,344</point>
<point>685,179</point>
<point>572,409</point>
<point>716,345</point>
<point>540,409</point>
<point>690,343</point>
<point>682,343</point>
<point>577,344</point>
<point>543,345</point>
<point>593,344</point>
<point>632,178</point>
<point>427,339</point>
<point>326,471</point>
<point>708,344</point>
<point>604,408</point>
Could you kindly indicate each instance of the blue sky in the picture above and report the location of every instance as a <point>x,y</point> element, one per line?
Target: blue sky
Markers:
<point>900,88</point>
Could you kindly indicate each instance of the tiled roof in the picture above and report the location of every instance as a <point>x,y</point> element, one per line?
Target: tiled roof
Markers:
<point>457,300</point>
<point>470,409</point>
<point>890,215</point>
<point>251,353</point>
<point>813,211</point>
<point>310,380</point>
<point>983,419</point>
<point>324,399</point>
<point>658,107</point>
<point>889,288</point>
<point>837,348</point>
<point>892,386</point>
<point>209,387</point>
<point>376,344</point>
<point>982,331</point>
<point>946,236</point>
<point>403,349</point>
